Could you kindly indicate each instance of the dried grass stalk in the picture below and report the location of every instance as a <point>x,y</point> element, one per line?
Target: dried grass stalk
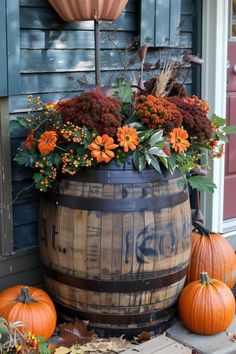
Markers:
<point>160,87</point>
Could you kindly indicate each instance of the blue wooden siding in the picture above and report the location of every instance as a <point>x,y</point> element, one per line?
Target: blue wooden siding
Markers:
<point>54,57</point>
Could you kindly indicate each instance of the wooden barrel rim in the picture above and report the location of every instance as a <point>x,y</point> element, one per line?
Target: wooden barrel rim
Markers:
<point>113,173</point>
<point>116,205</point>
<point>115,286</point>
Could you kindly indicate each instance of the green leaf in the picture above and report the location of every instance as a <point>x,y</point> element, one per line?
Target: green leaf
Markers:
<point>155,164</point>
<point>158,136</point>
<point>124,91</point>
<point>202,184</point>
<point>229,129</point>
<point>25,158</point>
<point>172,162</point>
<point>37,177</point>
<point>20,122</point>
<point>218,121</point>
<point>164,160</point>
<point>138,126</point>
<point>147,157</point>
<point>139,160</point>
<point>156,151</point>
<point>223,137</point>
<point>3,329</point>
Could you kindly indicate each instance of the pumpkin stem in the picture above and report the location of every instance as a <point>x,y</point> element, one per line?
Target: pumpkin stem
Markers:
<point>201,228</point>
<point>205,278</point>
<point>24,296</point>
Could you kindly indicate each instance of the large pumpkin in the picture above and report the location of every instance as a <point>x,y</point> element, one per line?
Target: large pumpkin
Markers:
<point>212,253</point>
<point>30,305</point>
<point>206,306</point>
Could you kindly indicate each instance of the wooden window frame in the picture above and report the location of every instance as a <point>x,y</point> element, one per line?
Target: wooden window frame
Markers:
<point>10,71</point>
<point>214,50</point>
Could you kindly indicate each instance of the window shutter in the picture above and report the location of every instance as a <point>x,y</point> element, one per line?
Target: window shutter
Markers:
<point>3,49</point>
<point>160,23</point>
<point>9,48</point>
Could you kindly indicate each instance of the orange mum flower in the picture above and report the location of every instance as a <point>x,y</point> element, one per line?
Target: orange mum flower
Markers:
<point>178,139</point>
<point>127,138</point>
<point>29,142</point>
<point>47,142</point>
<point>101,148</point>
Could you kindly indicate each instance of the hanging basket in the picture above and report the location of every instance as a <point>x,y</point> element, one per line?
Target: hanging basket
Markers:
<point>87,10</point>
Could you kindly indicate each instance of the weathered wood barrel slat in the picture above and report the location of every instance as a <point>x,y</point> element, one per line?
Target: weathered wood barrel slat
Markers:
<point>115,244</point>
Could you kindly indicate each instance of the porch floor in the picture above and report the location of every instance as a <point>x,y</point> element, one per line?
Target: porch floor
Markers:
<point>160,345</point>
<point>181,341</point>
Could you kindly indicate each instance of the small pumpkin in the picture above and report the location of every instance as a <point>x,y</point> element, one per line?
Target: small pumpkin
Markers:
<point>211,252</point>
<point>206,306</point>
<point>30,305</point>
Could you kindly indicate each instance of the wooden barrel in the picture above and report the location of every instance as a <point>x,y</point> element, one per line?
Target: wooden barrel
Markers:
<point>115,245</point>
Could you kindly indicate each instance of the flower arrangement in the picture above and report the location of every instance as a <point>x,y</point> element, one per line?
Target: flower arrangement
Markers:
<point>160,126</point>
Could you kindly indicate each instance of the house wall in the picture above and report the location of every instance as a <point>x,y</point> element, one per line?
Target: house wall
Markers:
<point>55,57</point>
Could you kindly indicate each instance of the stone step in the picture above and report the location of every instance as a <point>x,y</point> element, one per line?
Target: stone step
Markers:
<point>218,344</point>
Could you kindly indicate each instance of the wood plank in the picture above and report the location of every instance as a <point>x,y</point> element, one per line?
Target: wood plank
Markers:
<point>46,18</point>
<point>19,262</point>
<point>31,277</point>
<point>33,83</point>
<point>52,60</point>
<point>25,213</point>
<point>20,173</point>
<point>38,39</point>
<point>23,191</point>
<point>54,39</point>
<point>18,104</point>
<point>161,345</point>
<point>25,236</point>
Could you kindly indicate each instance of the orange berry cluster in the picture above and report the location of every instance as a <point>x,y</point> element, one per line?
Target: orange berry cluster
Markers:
<point>51,174</point>
<point>72,163</point>
<point>74,133</point>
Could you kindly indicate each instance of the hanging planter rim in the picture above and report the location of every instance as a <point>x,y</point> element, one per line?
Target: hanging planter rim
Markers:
<point>87,10</point>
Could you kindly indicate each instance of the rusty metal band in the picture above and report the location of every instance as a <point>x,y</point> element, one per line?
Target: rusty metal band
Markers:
<point>98,318</point>
<point>117,205</point>
<point>115,286</point>
<point>121,176</point>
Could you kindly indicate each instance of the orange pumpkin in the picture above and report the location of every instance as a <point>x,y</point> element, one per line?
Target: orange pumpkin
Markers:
<point>212,253</point>
<point>30,305</point>
<point>206,306</point>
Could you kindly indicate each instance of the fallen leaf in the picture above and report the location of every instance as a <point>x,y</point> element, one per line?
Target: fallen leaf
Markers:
<point>75,333</point>
<point>116,345</point>
<point>52,347</point>
<point>143,337</point>
<point>62,350</point>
